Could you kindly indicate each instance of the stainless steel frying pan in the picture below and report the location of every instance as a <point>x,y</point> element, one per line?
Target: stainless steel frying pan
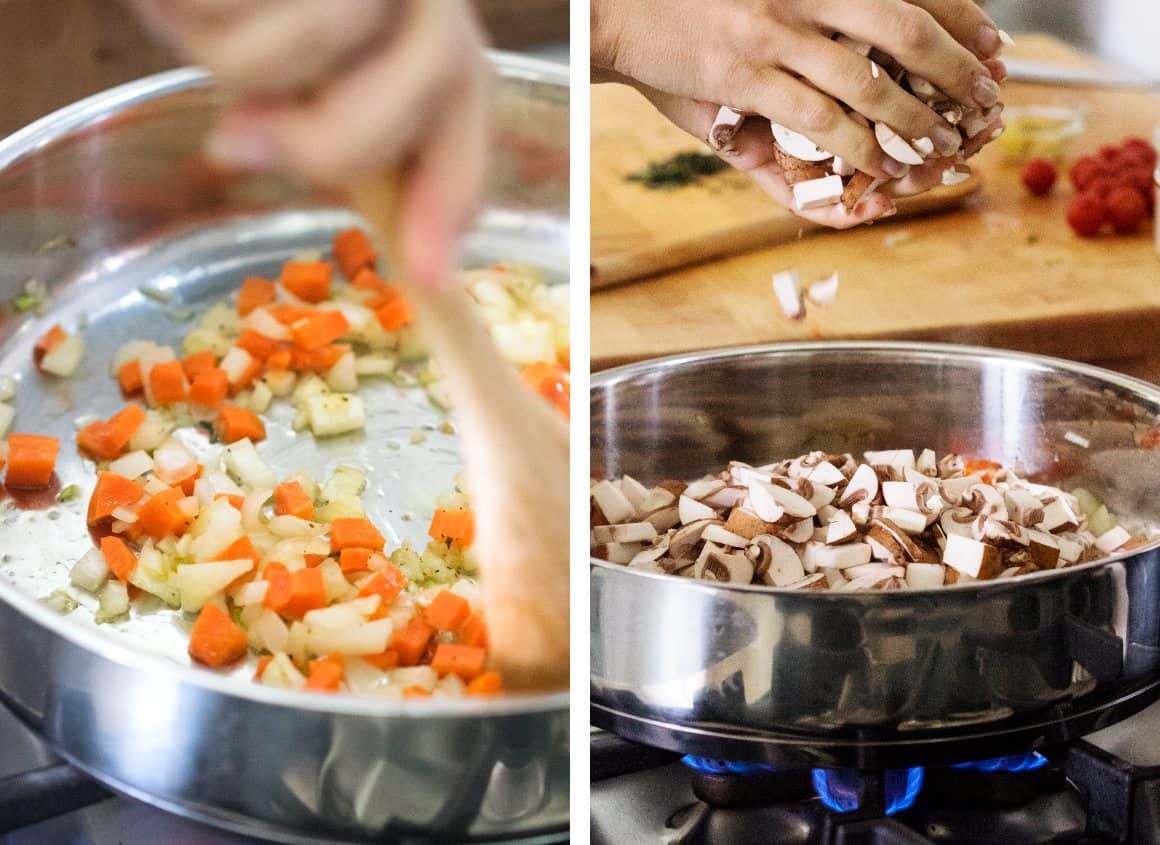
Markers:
<point>110,204</point>
<point>876,678</point>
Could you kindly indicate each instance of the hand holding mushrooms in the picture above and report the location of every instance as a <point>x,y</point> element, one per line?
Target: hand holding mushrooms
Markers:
<point>866,101</point>
<point>349,86</point>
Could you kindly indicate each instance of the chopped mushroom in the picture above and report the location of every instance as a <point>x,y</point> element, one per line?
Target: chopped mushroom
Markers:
<point>892,521</point>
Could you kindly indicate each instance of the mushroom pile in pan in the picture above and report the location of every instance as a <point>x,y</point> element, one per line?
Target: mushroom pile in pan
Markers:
<point>820,521</point>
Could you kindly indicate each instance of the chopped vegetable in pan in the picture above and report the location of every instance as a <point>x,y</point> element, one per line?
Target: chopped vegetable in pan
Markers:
<point>291,568</point>
<point>831,522</point>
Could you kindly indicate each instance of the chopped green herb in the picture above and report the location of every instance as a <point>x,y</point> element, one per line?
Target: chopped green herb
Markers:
<point>60,601</point>
<point>68,494</point>
<point>682,169</point>
<point>25,302</point>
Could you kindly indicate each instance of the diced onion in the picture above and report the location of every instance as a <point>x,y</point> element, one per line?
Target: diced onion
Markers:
<point>114,602</point>
<point>367,638</point>
<point>263,322</point>
<point>132,465</point>
<point>64,358</point>
<point>247,466</point>
<point>173,463</point>
<point>343,376</point>
<point>199,582</point>
<point>269,632</point>
<point>338,413</point>
<point>125,515</point>
<point>252,592</point>
<point>90,572</point>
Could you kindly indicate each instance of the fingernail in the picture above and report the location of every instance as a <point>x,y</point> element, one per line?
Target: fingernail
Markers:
<point>946,140</point>
<point>997,68</point>
<point>250,150</point>
<point>890,212</point>
<point>894,167</point>
<point>987,41</point>
<point>985,91</point>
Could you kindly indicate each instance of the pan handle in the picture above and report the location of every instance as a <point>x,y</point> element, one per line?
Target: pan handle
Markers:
<point>44,793</point>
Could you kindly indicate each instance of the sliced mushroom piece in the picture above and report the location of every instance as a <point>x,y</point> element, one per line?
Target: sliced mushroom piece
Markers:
<point>776,560</point>
<point>860,512</point>
<point>882,570</point>
<point>985,500</point>
<point>827,513</point>
<point>818,555</point>
<point>818,193</point>
<point>676,488</point>
<point>798,145</point>
<point>826,474</point>
<point>922,87</point>
<point>664,518</point>
<point>729,496</point>
<point>729,568</point>
<point>927,463</point>
<point>886,552</point>
<point>716,533</point>
<point>653,553</point>
<point>895,146</point>
<point>869,582</point>
<point>951,465</point>
<point>1003,532</point>
<point>1043,548</point>
<point>925,576</point>
<point>616,552</point>
<point>840,529</point>
<point>692,511</point>
<point>953,576</point>
<point>841,167</point>
<point>975,121</point>
<point>1023,507</point>
<point>953,489</point>
<point>613,504</point>
<point>703,488</point>
<point>684,540</point>
<point>890,534</point>
<point>818,495</point>
<point>796,532</point>
<point>971,557</point>
<point>862,487</point>
<point>647,565</point>
<point>834,577</point>
<point>747,524</point>
<point>817,581</point>
<point>900,494</point>
<point>725,127</point>
<point>1113,539</point>
<point>788,292</point>
<point>627,532</point>
<point>896,459</point>
<point>635,492</point>
<point>657,497</point>
<point>1057,515</point>
<point>912,522</point>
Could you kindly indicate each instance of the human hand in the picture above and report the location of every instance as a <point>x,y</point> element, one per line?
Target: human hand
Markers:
<point>778,60</point>
<point>341,90</point>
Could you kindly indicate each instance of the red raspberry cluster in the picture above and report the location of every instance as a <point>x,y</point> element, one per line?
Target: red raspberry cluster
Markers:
<point>1113,187</point>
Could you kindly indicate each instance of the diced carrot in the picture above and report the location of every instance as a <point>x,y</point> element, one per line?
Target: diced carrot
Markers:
<point>466,661</point>
<point>302,591</point>
<point>416,692</point>
<point>326,674</point>
<point>290,499</point>
<point>411,641</point>
<point>278,591</point>
<point>187,484</point>
<point>235,423</point>
<point>161,516</point>
<point>354,560</point>
<point>318,330</point>
<point>209,388</point>
<point>104,440</point>
<point>551,381</point>
<point>307,280</point>
<point>986,468</point>
<point>289,314</point>
<point>31,460</point>
<point>254,293</point>
<point>258,345</point>
<point>263,662</point>
<point>314,560</point>
<point>167,383</point>
<point>474,631</point>
<point>368,279</point>
<point>197,363</point>
<point>49,341</point>
<point>448,611</point>
<point>279,360</point>
<point>240,549</point>
<point>129,377</point>
<point>353,251</point>
<point>120,560</point>
<point>316,360</point>
<point>388,583</point>
<point>395,314</point>
<point>216,640</point>
<point>235,499</point>
<point>456,527</point>
<point>112,491</point>
<point>486,683</point>
<point>389,659</point>
<point>355,533</point>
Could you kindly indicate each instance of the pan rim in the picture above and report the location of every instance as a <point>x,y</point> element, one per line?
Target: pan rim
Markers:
<point>962,352</point>
<point>76,116</point>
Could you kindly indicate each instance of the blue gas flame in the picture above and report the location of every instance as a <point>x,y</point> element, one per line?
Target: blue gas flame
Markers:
<point>839,789</point>
<point>1012,763</point>
<point>711,766</point>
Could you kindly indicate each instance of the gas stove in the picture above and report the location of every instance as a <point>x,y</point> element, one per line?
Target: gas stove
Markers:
<point>1101,790</point>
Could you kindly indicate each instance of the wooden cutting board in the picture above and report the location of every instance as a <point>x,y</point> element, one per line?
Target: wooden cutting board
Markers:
<point>639,231</point>
<point>1003,270</point>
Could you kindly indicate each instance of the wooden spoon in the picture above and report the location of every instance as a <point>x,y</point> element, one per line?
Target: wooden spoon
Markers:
<point>515,449</point>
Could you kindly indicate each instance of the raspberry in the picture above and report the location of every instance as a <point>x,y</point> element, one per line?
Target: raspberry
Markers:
<point>1039,176</point>
<point>1139,178</point>
<point>1109,153</point>
<point>1102,186</point>
<point>1140,156</point>
<point>1086,214</point>
<point>1085,170</point>
<point>1126,209</point>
